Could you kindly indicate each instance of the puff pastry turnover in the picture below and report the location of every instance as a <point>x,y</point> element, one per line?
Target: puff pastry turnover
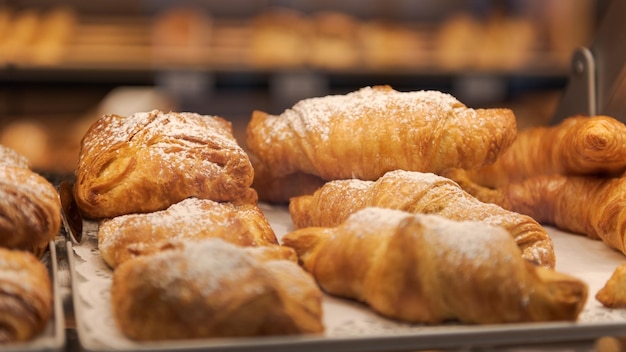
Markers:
<point>125,236</point>
<point>212,288</point>
<point>149,161</point>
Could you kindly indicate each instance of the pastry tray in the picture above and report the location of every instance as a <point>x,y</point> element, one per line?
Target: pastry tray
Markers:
<point>350,326</point>
<point>52,338</point>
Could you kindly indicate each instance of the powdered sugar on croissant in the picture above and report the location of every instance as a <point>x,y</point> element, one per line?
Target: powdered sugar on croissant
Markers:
<point>368,132</point>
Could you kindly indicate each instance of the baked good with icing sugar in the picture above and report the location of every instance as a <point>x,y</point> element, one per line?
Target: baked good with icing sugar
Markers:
<point>10,157</point>
<point>25,297</point>
<point>417,192</point>
<point>212,288</point>
<point>422,268</point>
<point>125,236</point>
<point>151,160</point>
<point>30,208</point>
<point>368,132</point>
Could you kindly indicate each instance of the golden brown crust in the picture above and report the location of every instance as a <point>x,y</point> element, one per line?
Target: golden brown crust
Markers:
<point>613,293</point>
<point>25,296</point>
<point>428,269</point>
<point>10,157</point>
<point>149,161</point>
<point>593,206</point>
<point>579,145</point>
<point>30,210</point>
<point>374,130</point>
<point>213,289</point>
<point>279,190</point>
<point>417,192</point>
<point>126,236</point>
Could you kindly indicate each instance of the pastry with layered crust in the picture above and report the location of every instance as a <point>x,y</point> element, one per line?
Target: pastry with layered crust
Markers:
<point>212,288</point>
<point>577,146</point>
<point>126,236</point>
<point>151,160</point>
<point>30,207</point>
<point>25,296</point>
<point>428,269</point>
<point>419,193</point>
<point>368,132</point>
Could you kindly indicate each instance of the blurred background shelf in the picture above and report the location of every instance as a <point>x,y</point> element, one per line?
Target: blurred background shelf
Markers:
<point>65,63</point>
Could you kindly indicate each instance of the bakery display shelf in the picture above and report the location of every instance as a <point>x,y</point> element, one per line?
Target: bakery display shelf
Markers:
<point>133,43</point>
<point>350,326</point>
<point>52,338</point>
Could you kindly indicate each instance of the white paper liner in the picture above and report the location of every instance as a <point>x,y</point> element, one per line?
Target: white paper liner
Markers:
<point>589,260</point>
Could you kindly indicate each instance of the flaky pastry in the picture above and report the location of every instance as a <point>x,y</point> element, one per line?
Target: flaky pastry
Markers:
<point>368,132</point>
<point>122,237</point>
<point>578,145</point>
<point>212,288</point>
<point>149,161</point>
<point>589,205</point>
<point>25,296</point>
<point>613,293</point>
<point>428,269</point>
<point>417,192</point>
<point>30,210</point>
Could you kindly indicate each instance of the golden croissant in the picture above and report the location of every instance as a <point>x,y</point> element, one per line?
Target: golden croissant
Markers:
<point>30,210</point>
<point>428,269</point>
<point>368,132</point>
<point>25,296</point>
<point>579,145</point>
<point>417,192</point>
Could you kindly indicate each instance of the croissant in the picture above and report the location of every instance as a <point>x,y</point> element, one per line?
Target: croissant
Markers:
<point>423,268</point>
<point>125,236</point>
<point>374,130</point>
<point>30,210</point>
<point>25,296</point>
<point>149,161</point>
<point>417,192</point>
<point>578,145</point>
<point>212,288</point>
<point>593,206</point>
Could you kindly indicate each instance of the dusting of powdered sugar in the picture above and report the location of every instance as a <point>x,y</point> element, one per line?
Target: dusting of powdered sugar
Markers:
<point>198,216</point>
<point>417,177</point>
<point>314,114</point>
<point>460,205</point>
<point>169,137</point>
<point>204,264</point>
<point>372,220</point>
<point>11,157</point>
<point>464,241</point>
<point>458,241</point>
